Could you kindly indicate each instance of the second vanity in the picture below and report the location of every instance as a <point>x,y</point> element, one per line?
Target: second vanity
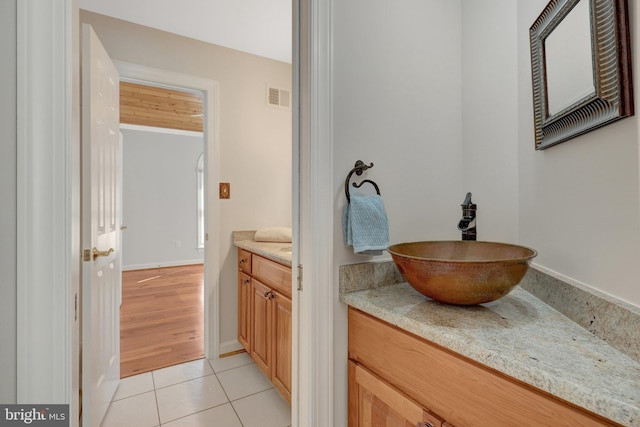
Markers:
<point>264,307</point>
<point>512,362</point>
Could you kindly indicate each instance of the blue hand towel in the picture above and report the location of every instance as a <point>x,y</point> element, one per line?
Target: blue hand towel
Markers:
<point>365,225</point>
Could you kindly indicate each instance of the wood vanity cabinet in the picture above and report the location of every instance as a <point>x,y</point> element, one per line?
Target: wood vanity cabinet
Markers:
<point>395,378</point>
<point>264,316</point>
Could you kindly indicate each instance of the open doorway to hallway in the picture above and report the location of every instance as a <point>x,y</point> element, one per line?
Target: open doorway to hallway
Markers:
<point>162,313</point>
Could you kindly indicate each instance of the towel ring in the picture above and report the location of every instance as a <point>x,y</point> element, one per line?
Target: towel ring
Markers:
<point>358,169</point>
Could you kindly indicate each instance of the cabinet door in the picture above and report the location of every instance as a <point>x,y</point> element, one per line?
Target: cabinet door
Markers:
<point>244,310</point>
<point>260,329</point>
<point>373,402</point>
<point>281,360</point>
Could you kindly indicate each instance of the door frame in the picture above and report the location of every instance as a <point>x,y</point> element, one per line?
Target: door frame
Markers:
<point>211,135</point>
<point>48,203</point>
<point>317,395</point>
<point>48,168</point>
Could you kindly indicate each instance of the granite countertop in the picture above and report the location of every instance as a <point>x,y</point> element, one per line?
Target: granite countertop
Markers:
<point>522,337</point>
<point>275,251</point>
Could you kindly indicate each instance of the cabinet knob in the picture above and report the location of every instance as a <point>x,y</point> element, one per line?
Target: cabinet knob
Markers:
<point>266,294</point>
<point>246,281</point>
<point>242,260</point>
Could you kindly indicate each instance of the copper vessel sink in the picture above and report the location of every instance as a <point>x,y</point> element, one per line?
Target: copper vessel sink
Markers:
<point>462,272</point>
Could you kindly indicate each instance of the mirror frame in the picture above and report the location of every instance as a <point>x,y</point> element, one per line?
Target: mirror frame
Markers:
<point>611,55</point>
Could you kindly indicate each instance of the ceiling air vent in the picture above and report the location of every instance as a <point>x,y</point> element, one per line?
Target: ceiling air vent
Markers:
<point>278,98</point>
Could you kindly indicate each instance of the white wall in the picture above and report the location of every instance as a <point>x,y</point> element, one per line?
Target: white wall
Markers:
<point>580,200</point>
<point>255,140</point>
<point>397,103</point>
<point>159,199</point>
<point>490,115</point>
<point>8,84</point>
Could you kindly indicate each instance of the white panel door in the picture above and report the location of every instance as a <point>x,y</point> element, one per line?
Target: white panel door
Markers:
<point>102,271</point>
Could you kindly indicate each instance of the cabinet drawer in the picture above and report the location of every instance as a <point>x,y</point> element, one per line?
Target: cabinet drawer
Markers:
<point>244,261</point>
<point>272,274</point>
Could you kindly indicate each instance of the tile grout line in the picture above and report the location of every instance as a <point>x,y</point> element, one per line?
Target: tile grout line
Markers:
<point>220,383</point>
<point>233,408</point>
<point>185,381</point>
<point>249,395</point>
<point>206,409</point>
<point>225,393</point>
<point>198,412</point>
<point>155,395</point>
<point>243,397</point>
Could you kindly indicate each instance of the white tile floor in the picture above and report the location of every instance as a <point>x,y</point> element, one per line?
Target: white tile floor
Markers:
<point>227,392</point>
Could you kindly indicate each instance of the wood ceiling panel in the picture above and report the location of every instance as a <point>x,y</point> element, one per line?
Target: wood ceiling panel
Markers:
<point>159,107</point>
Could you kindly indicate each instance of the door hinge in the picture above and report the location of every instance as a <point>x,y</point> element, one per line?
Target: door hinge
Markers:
<point>86,255</point>
<point>300,277</point>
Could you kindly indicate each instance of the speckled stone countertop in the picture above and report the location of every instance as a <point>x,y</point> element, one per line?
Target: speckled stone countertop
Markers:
<point>522,337</point>
<point>278,252</point>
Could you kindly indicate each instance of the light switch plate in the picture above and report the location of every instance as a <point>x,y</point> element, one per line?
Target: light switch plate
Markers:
<point>225,190</point>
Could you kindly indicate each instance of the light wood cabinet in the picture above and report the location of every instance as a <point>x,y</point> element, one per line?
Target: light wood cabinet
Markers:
<point>451,388</point>
<point>244,309</point>
<point>264,316</point>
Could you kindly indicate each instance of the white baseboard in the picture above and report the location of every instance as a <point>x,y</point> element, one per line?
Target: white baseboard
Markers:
<point>230,346</point>
<point>162,264</point>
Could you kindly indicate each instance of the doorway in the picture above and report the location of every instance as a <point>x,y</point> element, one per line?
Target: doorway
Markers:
<point>210,90</point>
<point>161,312</point>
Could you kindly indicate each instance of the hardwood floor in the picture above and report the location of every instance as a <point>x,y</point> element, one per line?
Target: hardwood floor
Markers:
<point>161,318</point>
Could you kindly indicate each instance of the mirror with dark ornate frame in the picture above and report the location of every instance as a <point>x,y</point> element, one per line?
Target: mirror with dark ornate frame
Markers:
<point>581,68</point>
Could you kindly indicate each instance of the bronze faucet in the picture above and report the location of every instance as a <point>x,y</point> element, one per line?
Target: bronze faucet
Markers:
<point>468,222</point>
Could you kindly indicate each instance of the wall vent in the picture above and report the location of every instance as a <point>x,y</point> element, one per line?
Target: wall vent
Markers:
<point>278,98</point>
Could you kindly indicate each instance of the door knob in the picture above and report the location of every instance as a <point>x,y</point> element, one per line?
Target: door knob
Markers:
<point>97,253</point>
<point>123,227</point>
